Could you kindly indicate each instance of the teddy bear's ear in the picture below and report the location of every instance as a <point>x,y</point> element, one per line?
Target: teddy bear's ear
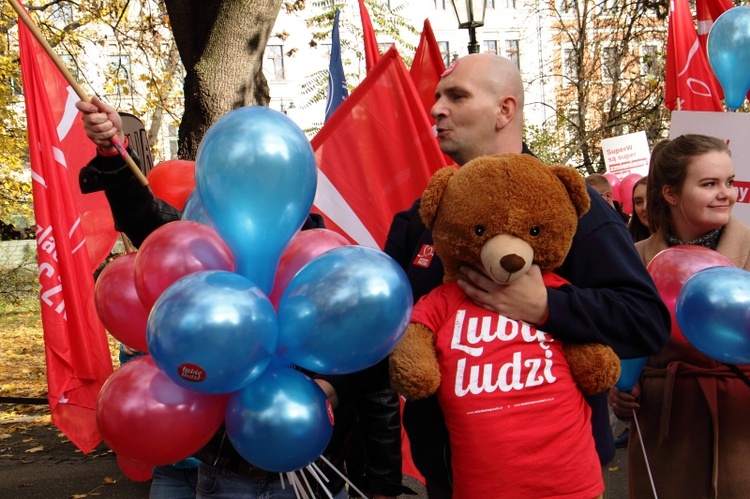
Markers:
<point>576,186</point>
<point>433,193</point>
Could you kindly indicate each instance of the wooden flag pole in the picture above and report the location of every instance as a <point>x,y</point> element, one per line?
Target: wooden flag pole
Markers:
<point>73,83</point>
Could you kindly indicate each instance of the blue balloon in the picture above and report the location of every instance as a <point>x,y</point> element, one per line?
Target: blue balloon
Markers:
<point>630,372</point>
<point>713,311</point>
<point>256,174</point>
<point>212,332</point>
<point>344,311</point>
<point>195,211</point>
<point>728,49</point>
<point>280,422</point>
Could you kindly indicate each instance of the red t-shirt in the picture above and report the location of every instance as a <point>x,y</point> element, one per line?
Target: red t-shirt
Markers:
<point>518,424</point>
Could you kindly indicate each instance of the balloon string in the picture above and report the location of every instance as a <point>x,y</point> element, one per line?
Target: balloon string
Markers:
<point>314,474</point>
<point>323,458</point>
<point>645,457</point>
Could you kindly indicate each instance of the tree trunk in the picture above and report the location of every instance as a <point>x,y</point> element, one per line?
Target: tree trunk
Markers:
<point>221,44</point>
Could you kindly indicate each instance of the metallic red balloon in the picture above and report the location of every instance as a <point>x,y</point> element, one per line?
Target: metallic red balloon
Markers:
<point>172,181</point>
<point>118,305</point>
<point>303,247</point>
<point>175,250</point>
<point>146,418</point>
<point>626,191</point>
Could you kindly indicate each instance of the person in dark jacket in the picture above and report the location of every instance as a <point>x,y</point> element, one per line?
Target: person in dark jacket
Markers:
<point>611,298</point>
<point>363,401</point>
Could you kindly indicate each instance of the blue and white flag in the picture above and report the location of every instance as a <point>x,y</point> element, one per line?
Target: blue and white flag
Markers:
<point>337,90</point>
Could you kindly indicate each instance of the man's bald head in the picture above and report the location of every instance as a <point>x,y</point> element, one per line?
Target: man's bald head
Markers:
<point>495,73</point>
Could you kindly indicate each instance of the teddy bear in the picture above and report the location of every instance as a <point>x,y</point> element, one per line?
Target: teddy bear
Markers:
<point>511,394</point>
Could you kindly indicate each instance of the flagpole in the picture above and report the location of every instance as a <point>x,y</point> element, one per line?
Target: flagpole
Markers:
<point>73,83</point>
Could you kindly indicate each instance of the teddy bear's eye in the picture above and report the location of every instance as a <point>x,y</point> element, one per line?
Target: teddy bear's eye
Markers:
<point>535,231</point>
<point>479,230</point>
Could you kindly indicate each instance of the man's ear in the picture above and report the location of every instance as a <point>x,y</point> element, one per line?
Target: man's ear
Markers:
<point>669,194</point>
<point>506,111</point>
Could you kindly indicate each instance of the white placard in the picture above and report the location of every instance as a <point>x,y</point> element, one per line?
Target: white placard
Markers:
<point>734,128</point>
<point>627,154</point>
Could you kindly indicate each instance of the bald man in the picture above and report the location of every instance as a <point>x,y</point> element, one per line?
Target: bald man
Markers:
<point>611,298</point>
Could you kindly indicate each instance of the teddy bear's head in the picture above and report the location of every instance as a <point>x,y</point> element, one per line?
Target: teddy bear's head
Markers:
<point>502,213</point>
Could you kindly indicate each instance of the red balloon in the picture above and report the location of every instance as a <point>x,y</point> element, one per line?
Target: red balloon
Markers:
<point>615,183</point>
<point>303,247</point>
<point>626,191</point>
<point>146,418</point>
<point>175,250</point>
<point>135,471</point>
<point>118,305</point>
<point>172,181</point>
<point>672,267</point>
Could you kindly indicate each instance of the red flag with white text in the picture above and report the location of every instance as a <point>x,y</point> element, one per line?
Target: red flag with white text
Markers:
<point>375,155</point>
<point>372,51</point>
<point>427,67</point>
<point>690,82</point>
<point>76,346</point>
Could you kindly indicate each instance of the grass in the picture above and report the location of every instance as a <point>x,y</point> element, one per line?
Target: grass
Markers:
<point>23,371</point>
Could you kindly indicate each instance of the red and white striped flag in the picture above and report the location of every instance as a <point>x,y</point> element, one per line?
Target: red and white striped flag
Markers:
<point>76,347</point>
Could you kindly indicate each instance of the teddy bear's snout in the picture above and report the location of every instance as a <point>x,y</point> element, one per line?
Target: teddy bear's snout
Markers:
<point>512,263</point>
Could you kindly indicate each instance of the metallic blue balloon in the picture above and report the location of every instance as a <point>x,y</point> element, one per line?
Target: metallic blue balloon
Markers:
<point>195,211</point>
<point>630,372</point>
<point>256,174</point>
<point>280,422</point>
<point>344,311</point>
<point>728,48</point>
<point>212,332</point>
<point>713,311</point>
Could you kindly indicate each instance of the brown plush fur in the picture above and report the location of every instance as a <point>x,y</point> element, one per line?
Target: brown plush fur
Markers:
<point>500,213</point>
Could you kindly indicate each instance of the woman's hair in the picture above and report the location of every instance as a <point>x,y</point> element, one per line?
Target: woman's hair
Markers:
<point>669,164</point>
<point>637,230</point>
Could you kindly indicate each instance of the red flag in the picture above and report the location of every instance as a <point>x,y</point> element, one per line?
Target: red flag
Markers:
<point>76,347</point>
<point>690,83</point>
<point>372,52</point>
<point>707,11</point>
<point>427,67</point>
<point>375,154</point>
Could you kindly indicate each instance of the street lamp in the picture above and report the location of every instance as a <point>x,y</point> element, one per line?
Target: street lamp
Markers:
<point>470,15</point>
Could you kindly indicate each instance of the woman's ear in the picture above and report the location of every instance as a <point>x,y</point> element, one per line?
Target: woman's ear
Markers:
<point>668,193</point>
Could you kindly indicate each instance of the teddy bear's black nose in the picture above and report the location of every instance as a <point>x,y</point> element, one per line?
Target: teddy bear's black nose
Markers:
<point>512,263</point>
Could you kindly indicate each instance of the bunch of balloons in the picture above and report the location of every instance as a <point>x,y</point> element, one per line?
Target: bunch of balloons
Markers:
<point>227,300</point>
<point>622,190</point>
<point>708,299</point>
<point>728,49</point>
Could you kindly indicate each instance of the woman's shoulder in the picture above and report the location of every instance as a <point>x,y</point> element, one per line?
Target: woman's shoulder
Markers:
<point>648,248</point>
<point>735,243</point>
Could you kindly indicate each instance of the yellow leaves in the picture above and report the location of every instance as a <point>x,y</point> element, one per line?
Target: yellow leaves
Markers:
<point>109,480</point>
<point>35,449</point>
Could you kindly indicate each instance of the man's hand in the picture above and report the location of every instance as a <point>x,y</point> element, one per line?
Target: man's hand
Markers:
<point>525,299</point>
<point>330,392</point>
<point>101,122</point>
<point>623,403</point>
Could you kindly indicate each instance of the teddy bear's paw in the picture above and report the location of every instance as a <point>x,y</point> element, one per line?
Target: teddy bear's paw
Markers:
<point>414,368</point>
<point>595,367</point>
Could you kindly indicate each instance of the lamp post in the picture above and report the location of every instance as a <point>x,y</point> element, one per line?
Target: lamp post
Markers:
<point>470,15</point>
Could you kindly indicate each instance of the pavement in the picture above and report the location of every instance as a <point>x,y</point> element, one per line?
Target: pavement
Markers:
<point>37,461</point>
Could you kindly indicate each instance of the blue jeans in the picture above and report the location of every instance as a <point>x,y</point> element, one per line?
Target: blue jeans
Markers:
<point>214,483</point>
<point>174,481</point>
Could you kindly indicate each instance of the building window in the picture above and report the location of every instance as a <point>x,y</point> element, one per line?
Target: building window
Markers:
<point>650,61</point>
<point>445,52</point>
<point>274,63</point>
<point>510,4</point>
<point>512,52</point>
<point>572,125</point>
<point>70,63</point>
<point>489,46</point>
<point>119,68</point>
<point>567,6</point>
<point>610,64</point>
<point>570,66</point>
<point>439,4</point>
<point>174,141</point>
<point>608,6</point>
<point>490,4</point>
